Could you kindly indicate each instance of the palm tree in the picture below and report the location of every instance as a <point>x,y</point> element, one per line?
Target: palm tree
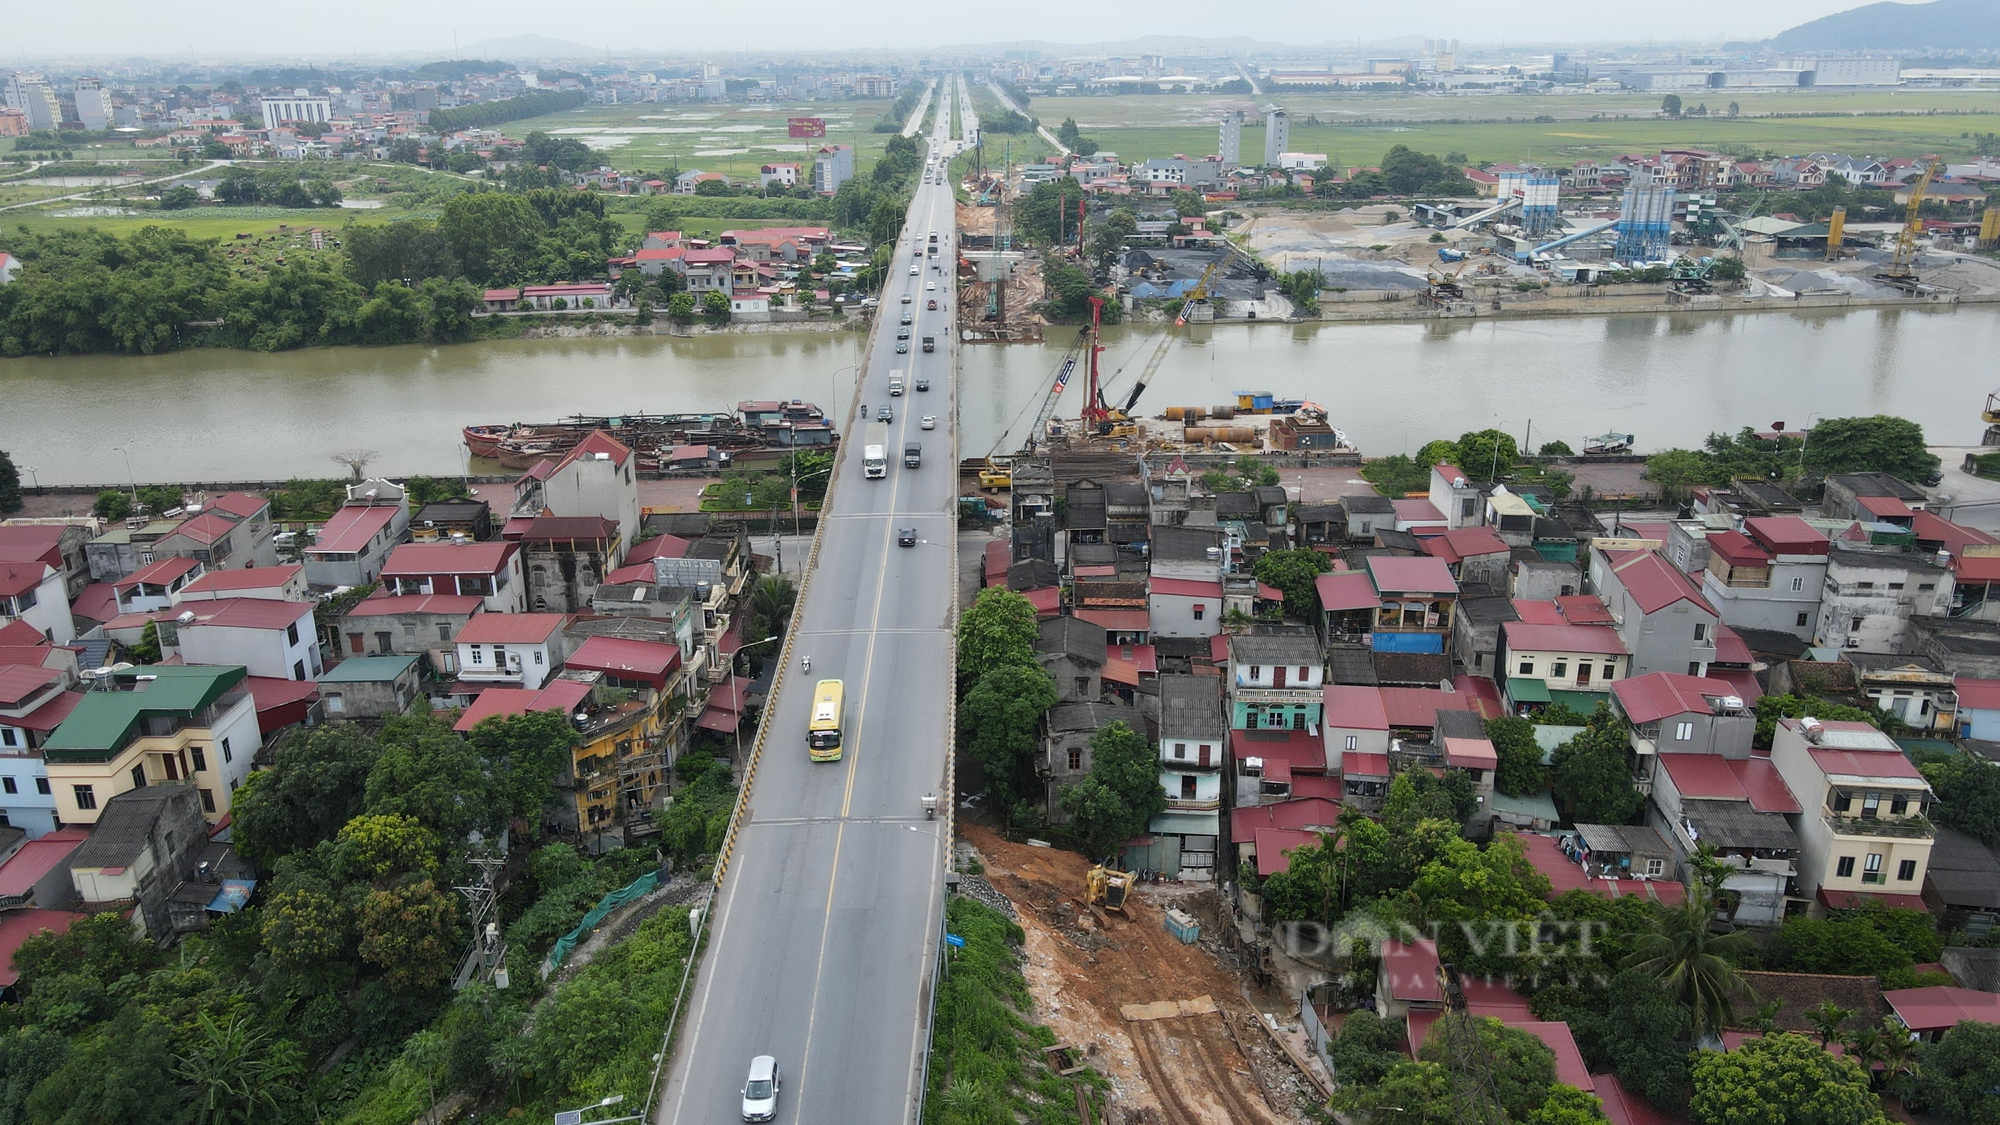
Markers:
<point>1826,1018</point>
<point>1693,963</point>
<point>233,1074</point>
<point>1897,1052</point>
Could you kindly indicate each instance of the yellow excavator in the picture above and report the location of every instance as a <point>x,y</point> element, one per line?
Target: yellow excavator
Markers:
<point>997,474</point>
<point>1901,272</point>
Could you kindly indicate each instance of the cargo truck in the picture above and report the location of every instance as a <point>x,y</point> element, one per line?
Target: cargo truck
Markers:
<point>913,455</point>
<point>875,451</point>
<point>930,343</point>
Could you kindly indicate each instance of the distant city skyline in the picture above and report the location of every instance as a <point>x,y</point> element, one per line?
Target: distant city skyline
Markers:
<point>113,28</point>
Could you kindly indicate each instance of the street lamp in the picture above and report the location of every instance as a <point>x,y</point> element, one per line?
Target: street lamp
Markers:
<point>575,1116</point>
<point>131,477</point>
<point>737,730</point>
<point>34,478</point>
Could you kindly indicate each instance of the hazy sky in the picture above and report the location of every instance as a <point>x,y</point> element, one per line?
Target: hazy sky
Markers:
<point>341,27</point>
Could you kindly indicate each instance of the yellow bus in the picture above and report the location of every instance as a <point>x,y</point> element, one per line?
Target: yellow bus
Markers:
<point>829,708</point>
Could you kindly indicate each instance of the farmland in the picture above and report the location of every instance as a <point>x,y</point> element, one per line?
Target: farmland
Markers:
<point>732,139</point>
<point>1356,129</point>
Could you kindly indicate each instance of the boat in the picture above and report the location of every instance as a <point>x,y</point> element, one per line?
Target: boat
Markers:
<point>1608,445</point>
<point>484,441</point>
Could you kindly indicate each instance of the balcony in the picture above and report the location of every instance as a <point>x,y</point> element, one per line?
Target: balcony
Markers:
<point>1194,804</point>
<point>1907,828</point>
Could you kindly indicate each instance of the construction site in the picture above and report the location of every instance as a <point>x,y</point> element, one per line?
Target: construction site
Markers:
<point>1155,993</point>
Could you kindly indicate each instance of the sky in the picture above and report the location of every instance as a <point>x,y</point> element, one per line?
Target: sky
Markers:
<point>116,28</point>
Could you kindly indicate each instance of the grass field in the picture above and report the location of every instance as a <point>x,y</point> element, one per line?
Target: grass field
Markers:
<point>731,139</point>
<point>1358,129</point>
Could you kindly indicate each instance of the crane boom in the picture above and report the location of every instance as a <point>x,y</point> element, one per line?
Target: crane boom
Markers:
<point>1906,240</point>
<point>1195,296</point>
<point>1038,432</point>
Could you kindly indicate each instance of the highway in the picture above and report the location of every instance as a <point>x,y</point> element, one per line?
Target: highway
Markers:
<point>825,930</point>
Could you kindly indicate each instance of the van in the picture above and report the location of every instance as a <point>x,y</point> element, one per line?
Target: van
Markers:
<point>913,455</point>
<point>896,386</point>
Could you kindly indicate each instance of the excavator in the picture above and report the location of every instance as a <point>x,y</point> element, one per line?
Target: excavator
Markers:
<point>1444,287</point>
<point>1107,887</point>
<point>1901,272</point>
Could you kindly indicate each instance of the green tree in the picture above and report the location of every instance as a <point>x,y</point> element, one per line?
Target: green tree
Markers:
<point>1879,443</point>
<point>490,234</point>
<point>1188,204</point>
<point>1366,1049</point>
<point>1856,943</point>
<point>1487,453</point>
<point>1959,1074</point>
<point>1695,965</point>
<point>306,928</point>
<point>122,1073</point>
<point>378,847</point>
<point>680,307</point>
<point>1968,796</point>
<point>180,197</point>
<point>1782,1079</point>
<point>1108,240</point>
<point>1556,449</point>
<point>1067,133</point>
<point>1647,1035</point>
<point>1523,1067</point>
<point>10,485</point>
<point>998,631</point>
<point>27,1056</point>
<point>102,947</point>
<point>999,721</point>
<point>1592,774</point>
<point>426,771</point>
<point>1295,573</point>
<point>112,505</point>
<point>715,306</point>
<point>523,755</point>
<point>1464,883</point>
<point>1519,772</point>
<point>1120,795</point>
<point>234,1072</point>
<point>410,932</point>
<point>1671,105</point>
<point>314,787</point>
<point>1567,1105</point>
<point>1675,472</point>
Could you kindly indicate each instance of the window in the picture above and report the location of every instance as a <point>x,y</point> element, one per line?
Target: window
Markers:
<point>1701,630</point>
<point>1844,869</point>
<point>9,736</point>
<point>1870,805</point>
<point>538,656</point>
<point>298,669</point>
<point>1256,672</point>
<point>1683,732</point>
<point>1353,742</point>
<point>42,786</point>
<point>7,783</point>
<point>355,643</point>
<point>292,633</point>
<point>138,777</point>
<point>1656,867</point>
<point>1906,871</point>
<point>409,632</point>
<point>1527,668</point>
<point>1801,620</point>
<point>207,800</point>
<point>1305,674</point>
<point>86,796</point>
<point>478,654</point>
<point>1871,868</point>
<point>1797,585</point>
<point>1083,685</point>
<point>1694,667</point>
<point>1180,750</point>
<point>1559,669</point>
<point>1075,759</point>
<point>226,755</point>
<point>1895,585</point>
<point>444,631</point>
<point>1199,609</point>
<point>1926,587</point>
<point>1187,787</point>
<point>200,759</point>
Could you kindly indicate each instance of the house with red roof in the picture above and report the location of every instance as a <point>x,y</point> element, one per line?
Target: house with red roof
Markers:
<point>1416,598</point>
<point>1248,828</point>
<point>1675,713</point>
<point>33,593</point>
<point>36,876</point>
<point>34,700</point>
<point>1476,555</point>
<point>61,545</point>
<point>355,541</point>
<point>1407,983</point>
<point>1744,810</point>
<point>409,625</point>
<point>269,638</point>
<point>157,585</point>
<point>233,530</point>
<point>1574,665</point>
<point>1978,708</point>
<point>1863,833</point>
<point>491,571</point>
<point>1183,607</point>
<point>1930,1012</point>
<point>286,583</point>
<point>1347,604</point>
<point>1663,618</point>
<point>1768,576</point>
<point>509,650</point>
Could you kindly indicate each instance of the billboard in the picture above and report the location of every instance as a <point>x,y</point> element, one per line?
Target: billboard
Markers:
<point>806,126</point>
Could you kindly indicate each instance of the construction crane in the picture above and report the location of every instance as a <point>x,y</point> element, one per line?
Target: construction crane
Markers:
<point>1099,419</point>
<point>1444,287</point>
<point>1197,295</point>
<point>1691,275</point>
<point>997,475</point>
<point>1901,272</point>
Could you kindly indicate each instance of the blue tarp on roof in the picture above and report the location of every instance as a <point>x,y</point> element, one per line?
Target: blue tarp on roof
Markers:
<point>234,896</point>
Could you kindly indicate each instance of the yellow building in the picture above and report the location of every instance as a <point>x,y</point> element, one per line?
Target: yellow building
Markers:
<point>157,725</point>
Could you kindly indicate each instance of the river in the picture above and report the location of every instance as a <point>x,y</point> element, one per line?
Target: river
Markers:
<point>1669,379</point>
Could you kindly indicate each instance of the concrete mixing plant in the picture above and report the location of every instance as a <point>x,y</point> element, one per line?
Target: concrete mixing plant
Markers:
<point>1538,205</point>
<point>1644,222</point>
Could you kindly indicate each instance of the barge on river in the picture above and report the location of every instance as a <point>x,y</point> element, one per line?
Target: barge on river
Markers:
<point>755,432</point>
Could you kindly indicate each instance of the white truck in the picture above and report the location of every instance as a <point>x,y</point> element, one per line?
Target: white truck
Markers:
<point>895,382</point>
<point>875,451</point>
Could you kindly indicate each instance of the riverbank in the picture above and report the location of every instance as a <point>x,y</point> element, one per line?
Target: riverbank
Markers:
<point>602,328</point>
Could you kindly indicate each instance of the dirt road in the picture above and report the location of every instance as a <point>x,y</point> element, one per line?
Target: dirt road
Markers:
<point>1205,1065</point>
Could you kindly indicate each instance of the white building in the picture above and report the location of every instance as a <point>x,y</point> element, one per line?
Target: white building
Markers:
<point>32,593</point>
<point>1302,161</point>
<point>511,649</point>
<point>1193,749</point>
<point>833,165</point>
<point>1870,597</point>
<point>93,105</point>
<point>593,479</point>
<point>1231,140</point>
<point>32,95</point>
<point>299,107</point>
<point>270,638</point>
<point>1277,135</point>
<point>1862,829</point>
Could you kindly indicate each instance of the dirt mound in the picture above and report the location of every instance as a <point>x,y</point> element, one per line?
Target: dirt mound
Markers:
<point>1204,1065</point>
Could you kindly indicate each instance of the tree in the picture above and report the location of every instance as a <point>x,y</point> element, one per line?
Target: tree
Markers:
<point>1556,449</point>
<point>1365,1050</point>
<point>1728,269</point>
<point>102,947</point>
<point>1295,573</point>
<point>1592,775</point>
<point>234,1072</point>
<point>523,755</point>
<point>410,932</point>
<point>490,234</point>
<point>1782,1079</point>
<point>1647,1035</point>
<point>427,772</point>
<point>314,787</point>
<point>1671,105</point>
<point>1487,453</point>
<point>1465,883</point>
<point>27,1056</point>
<point>122,1073</point>
<point>1960,1073</point>
<point>306,928</point>
<point>1734,109</point>
<point>998,631</point>
<point>1188,204</point>
<point>1567,1105</point>
<point>1676,471</point>
<point>1408,172</point>
<point>1523,1067</point>
<point>1121,794</point>
<point>680,307</point>
<point>376,848</point>
<point>1108,241</point>
<point>10,485</point>
<point>715,306</point>
<point>112,505</point>
<point>1968,796</point>
<point>1879,443</point>
<point>998,724</point>
<point>1695,965</point>
<point>1519,772</point>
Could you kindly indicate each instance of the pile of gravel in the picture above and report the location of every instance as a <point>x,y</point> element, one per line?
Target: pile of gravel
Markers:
<point>975,887</point>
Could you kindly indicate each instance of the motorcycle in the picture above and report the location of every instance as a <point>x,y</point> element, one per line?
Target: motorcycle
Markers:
<point>805,663</point>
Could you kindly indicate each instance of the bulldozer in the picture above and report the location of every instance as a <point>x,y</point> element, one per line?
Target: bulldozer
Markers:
<point>1107,887</point>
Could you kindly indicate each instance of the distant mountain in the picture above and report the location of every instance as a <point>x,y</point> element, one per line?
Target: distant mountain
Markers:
<point>531,47</point>
<point>1942,24</point>
<point>1237,46</point>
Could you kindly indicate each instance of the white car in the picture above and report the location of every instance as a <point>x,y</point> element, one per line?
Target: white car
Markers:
<point>929,422</point>
<point>906,298</point>
<point>928,284</point>
<point>760,1090</point>
<point>914,270</point>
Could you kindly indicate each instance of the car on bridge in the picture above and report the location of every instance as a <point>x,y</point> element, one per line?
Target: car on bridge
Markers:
<point>760,1090</point>
<point>929,422</point>
<point>902,346</point>
<point>906,537</point>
